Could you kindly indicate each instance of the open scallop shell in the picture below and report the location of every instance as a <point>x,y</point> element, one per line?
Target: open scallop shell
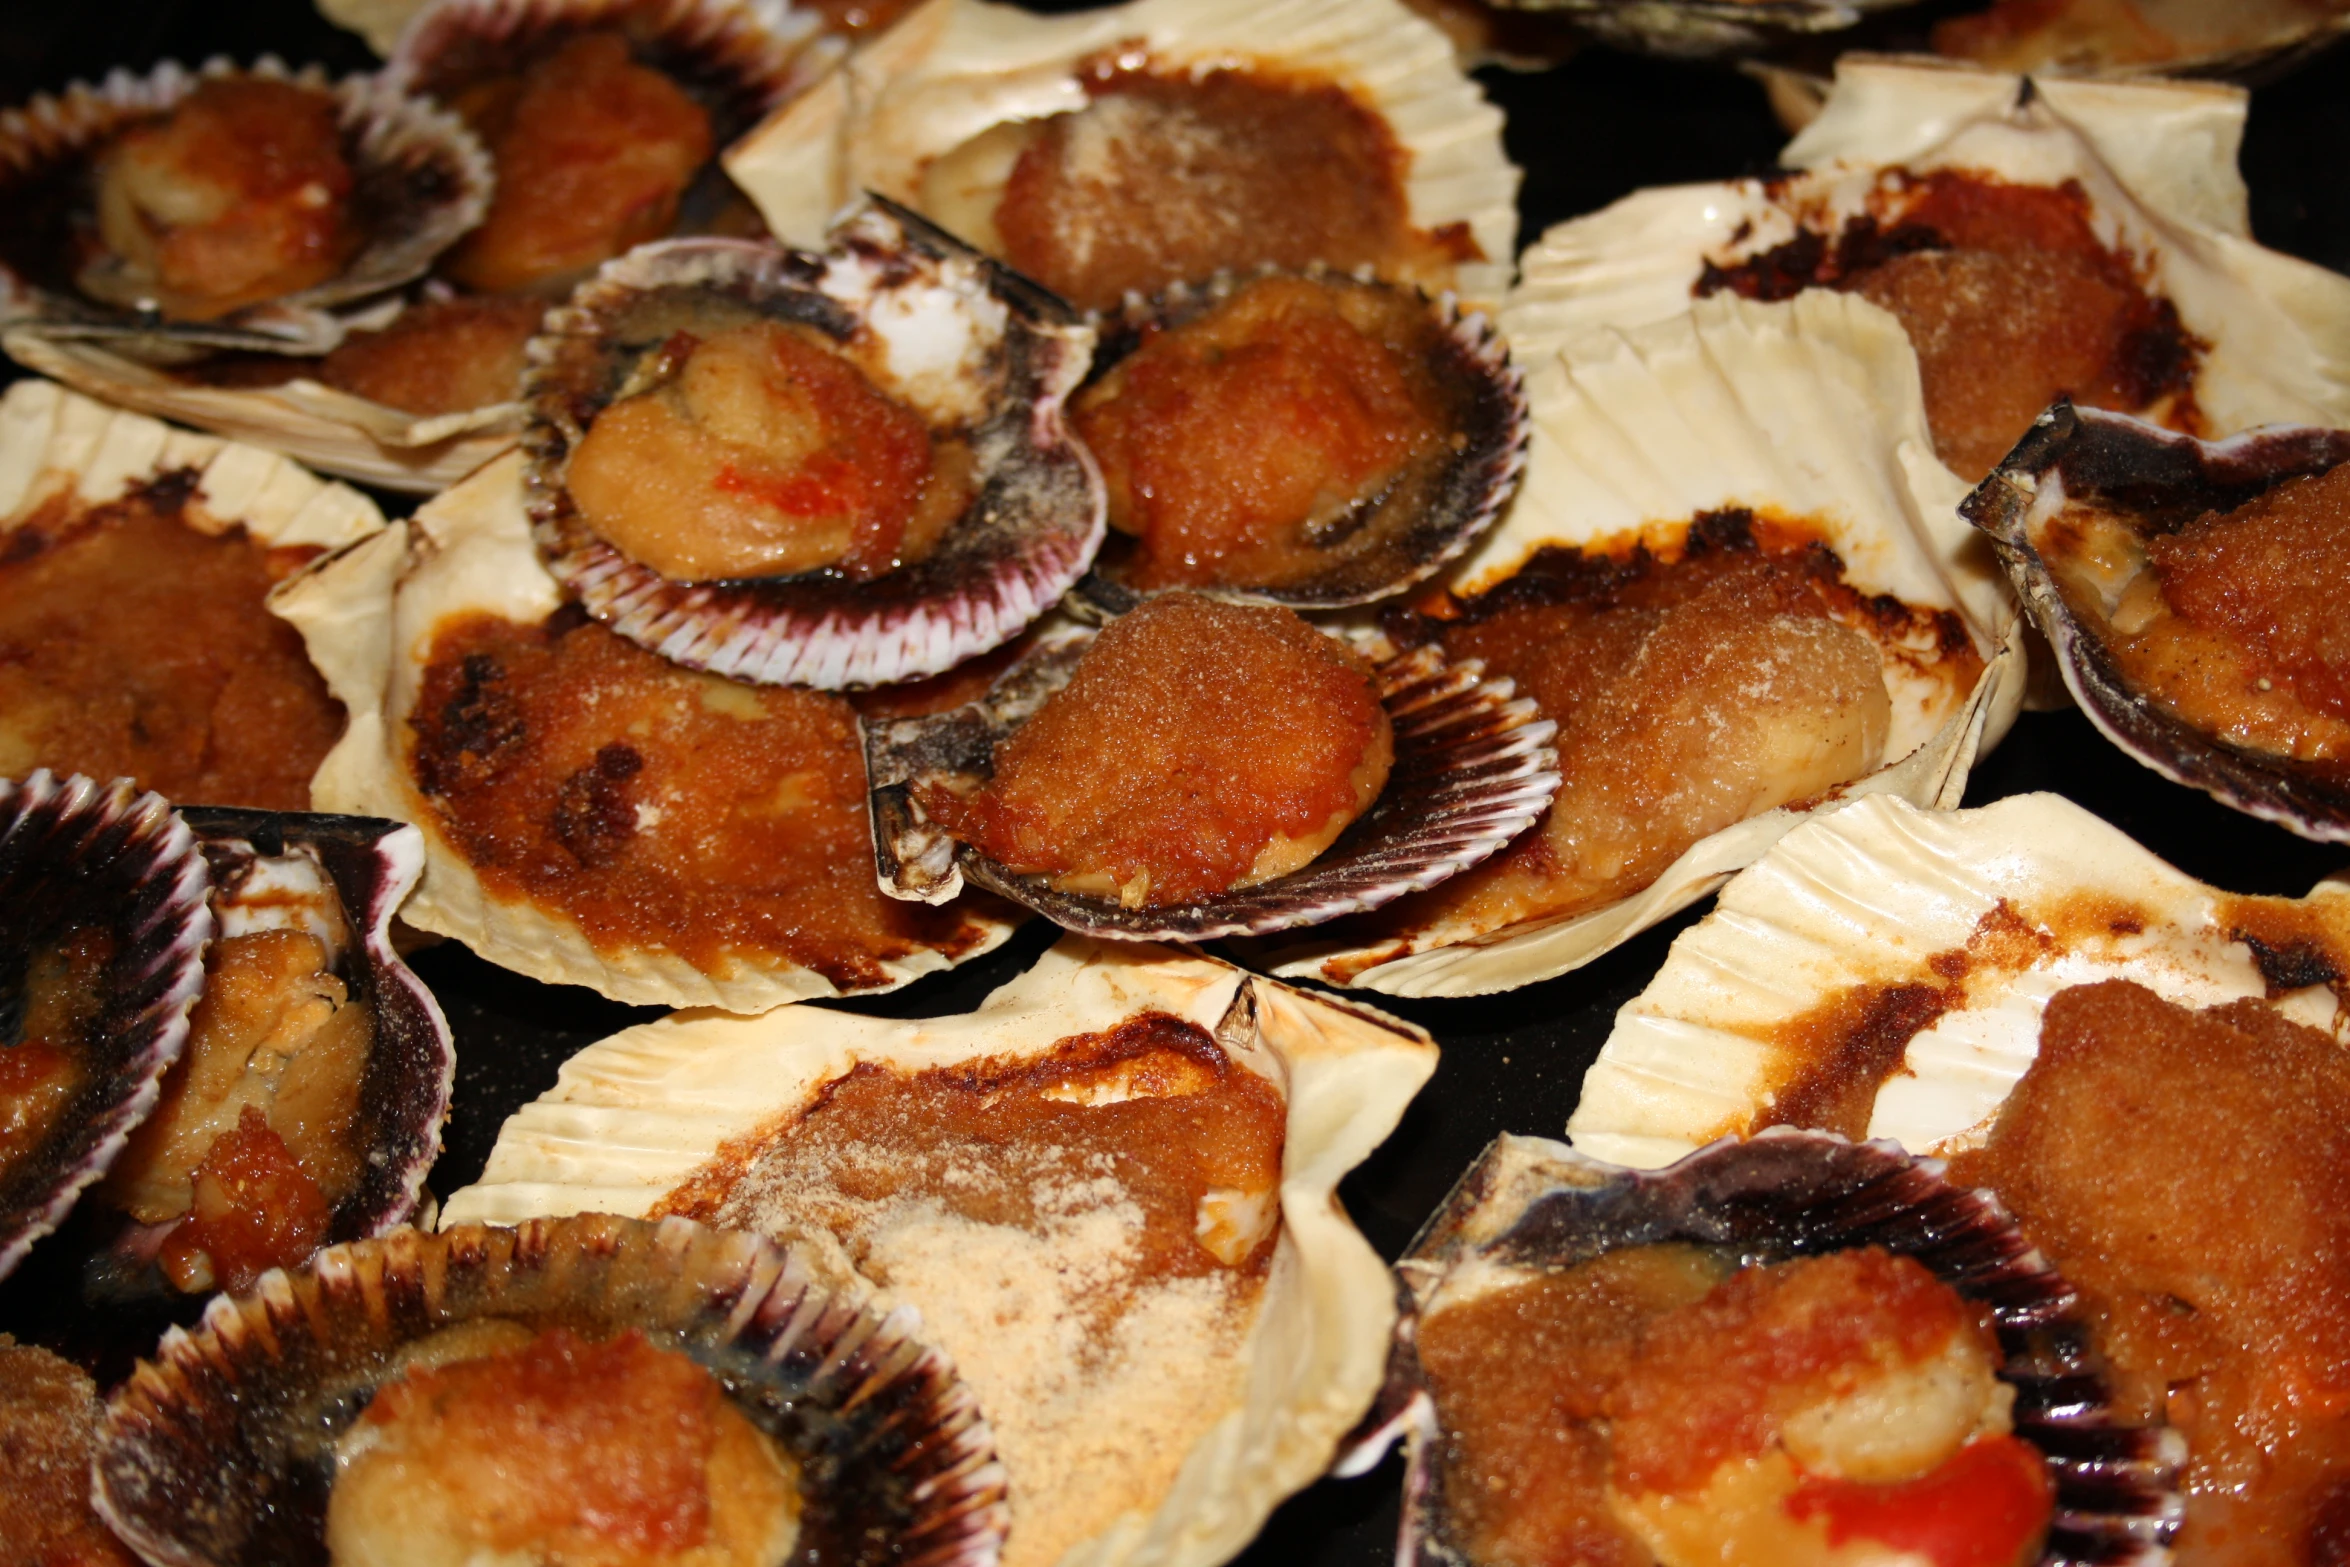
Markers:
<point>72,853</point>
<point>368,616</point>
<point>1410,543</point>
<point>2242,42</point>
<point>2156,161</point>
<point>973,347</point>
<point>1869,897</point>
<point>421,180</point>
<point>952,68</point>
<point>220,1450</point>
<point>1529,1206</point>
<point>1473,769</point>
<point>1705,29</point>
<point>636,1116</point>
<point>1807,409</point>
<point>2155,480</point>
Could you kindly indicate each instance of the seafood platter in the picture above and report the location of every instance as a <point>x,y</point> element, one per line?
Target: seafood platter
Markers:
<point>1476,783</point>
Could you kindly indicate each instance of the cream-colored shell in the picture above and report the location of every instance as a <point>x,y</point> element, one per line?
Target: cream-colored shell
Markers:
<point>380,22</point>
<point>368,616</point>
<point>1810,408</point>
<point>2157,161</point>
<point>328,429</point>
<point>953,68</point>
<point>634,1117</point>
<point>1867,897</point>
<point>55,443</point>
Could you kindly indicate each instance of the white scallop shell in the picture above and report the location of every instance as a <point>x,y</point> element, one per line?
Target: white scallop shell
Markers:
<point>1810,408</point>
<point>55,443</point>
<point>635,1116</point>
<point>368,616</point>
<point>2157,162</point>
<point>1868,896</point>
<point>952,68</point>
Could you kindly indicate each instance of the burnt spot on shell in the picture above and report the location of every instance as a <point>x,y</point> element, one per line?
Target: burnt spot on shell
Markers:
<point>478,732</point>
<point>1812,260</point>
<point>595,812</point>
<point>1842,1051</point>
<point>2289,965</point>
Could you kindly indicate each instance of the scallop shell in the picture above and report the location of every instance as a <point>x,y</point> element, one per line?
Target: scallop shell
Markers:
<point>1707,29</point>
<point>2156,161</point>
<point>220,1450</point>
<point>952,68</point>
<point>1809,409</point>
<point>636,1116</point>
<point>1529,1206</point>
<point>421,181</point>
<point>2217,38</point>
<point>1477,482</point>
<point>973,347</point>
<point>1473,769</point>
<point>367,615</point>
<point>2134,470</point>
<point>1870,896</point>
<point>76,852</point>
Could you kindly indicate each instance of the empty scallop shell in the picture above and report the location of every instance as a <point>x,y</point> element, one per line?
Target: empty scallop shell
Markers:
<point>2151,480</point>
<point>77,854</point>
<point>1871,896</point>
<point>637,1116</point>
<point>971,347</point>
<point>1530,1206</point>
<point>220,1451</point>
<point>420,181</point>
<point>1808,409</point>
<point>2156,162</point>
<point>951,69</point>
<point>1473,769</point>
<point>368,616</point>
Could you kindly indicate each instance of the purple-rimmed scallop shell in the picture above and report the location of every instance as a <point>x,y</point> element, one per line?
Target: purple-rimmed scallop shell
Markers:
<point>221,1449</point>
<point>1473,768</point>
<point>1404,533</point>
<point>2153,481</point>
<point>79,855</point>
<point>1530,1205</point>
<point>970,345</point>
<point>420,181</point>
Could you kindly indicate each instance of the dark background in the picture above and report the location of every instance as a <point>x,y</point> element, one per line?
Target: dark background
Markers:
<point>1587,132</point>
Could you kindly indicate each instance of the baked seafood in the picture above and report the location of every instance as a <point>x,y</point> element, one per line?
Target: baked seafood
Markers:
<point>1745,486</point>
<point>1159,142</point>
<point>833,470</point>
<point>591,1388</point>
<point>594,814</point>
<point>1108,1191</point>
<point>1780,1350</point>
<point>2187,589</point>
<point>132,601</point>
<point>1199,769</point>
<point>2037,237</point>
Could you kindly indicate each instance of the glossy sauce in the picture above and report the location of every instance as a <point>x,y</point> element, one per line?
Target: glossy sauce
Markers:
<point>252,1208</point>
<point>133,645</point>
<point>657,806</point>
<point>1197,747</point>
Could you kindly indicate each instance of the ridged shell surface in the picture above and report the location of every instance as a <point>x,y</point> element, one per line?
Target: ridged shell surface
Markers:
<point>636,1116</point>
<point>952,68</point>
<point>1808,409</point>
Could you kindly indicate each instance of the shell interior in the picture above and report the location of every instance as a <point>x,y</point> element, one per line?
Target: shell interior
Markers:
<point>420,181</point>
<point>2155,481</point>
<point>1397,537</point>
<point>979,347</point>
<point>1473,768</point>
<point>76,855</point>
<point>221,1450</point>
<point>1529,1205</point>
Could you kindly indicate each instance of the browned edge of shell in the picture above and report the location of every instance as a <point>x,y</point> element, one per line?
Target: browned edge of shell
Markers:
<point>220,1450</point>
<point>2162,480</point>
<point>420,181</point>
<point>1033,526</point>
<point>75,853</point>
<point>1473,485</point>
<point>1539,1205</point>
<point>1474,766</point>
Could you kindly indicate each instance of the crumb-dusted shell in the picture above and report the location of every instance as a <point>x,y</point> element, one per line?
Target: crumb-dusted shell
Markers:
<point>636,1116</point>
